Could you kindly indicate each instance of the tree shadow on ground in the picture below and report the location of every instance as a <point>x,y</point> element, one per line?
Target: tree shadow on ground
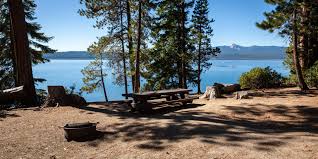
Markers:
<point>265,126</point>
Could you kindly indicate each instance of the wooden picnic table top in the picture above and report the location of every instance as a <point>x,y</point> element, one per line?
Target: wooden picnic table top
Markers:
<point>159,93</point>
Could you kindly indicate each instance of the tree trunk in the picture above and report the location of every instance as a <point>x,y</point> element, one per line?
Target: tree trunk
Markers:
<point>180,77</point>
<point>137,69</point>
<point>199,68</point>
<point>298,69</point>
<point>184,49</point>
<point>102,77</point>
<point>12,56</point>
<point>304,53</point>
<point>123,52</point>
<point>20,42</point>
<point>130,43</point>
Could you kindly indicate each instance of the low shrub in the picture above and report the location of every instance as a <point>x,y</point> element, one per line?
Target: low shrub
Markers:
<point>311,76</point>
<point>259,78</point>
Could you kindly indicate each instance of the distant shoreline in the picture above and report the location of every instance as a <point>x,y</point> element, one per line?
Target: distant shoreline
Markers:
<point>211,59</point>
<point>234,52</point>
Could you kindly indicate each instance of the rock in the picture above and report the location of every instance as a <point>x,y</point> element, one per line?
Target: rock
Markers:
<point>242,95</point>
<point>75,100</point>
<point>227,88</point>
<point>58,97</point>
<point>231,88</point>
<point>211,93</point>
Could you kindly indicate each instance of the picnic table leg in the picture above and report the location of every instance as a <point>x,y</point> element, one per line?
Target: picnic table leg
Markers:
<point>143,106</point>
<point>133,106</point>
<point>182,95</point>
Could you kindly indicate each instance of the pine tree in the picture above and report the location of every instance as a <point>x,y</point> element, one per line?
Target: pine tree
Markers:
<point>94,74</point>
<point>287,24</point>
<point>137,68</point>
<point>114,16</point>
<point>201,34</point>
<point>125,24</point>
<point>170,59</point>
<point>37,41</point>
<point>299,73</point>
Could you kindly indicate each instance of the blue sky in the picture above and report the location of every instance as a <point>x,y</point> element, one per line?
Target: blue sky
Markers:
<point>234,23</point>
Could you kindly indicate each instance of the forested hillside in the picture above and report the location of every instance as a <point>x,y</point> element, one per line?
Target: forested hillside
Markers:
<point>234,52</point>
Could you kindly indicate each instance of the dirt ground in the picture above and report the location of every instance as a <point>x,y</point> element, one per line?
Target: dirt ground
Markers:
<point>275,124</point>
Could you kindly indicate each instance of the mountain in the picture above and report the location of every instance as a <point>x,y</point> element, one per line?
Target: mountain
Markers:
<point>237,52</point>
<point>233,52</point>
<point>70,55</point>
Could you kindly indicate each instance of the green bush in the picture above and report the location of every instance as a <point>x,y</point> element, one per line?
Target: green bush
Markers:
<point>311,76</point>
<point>258,78</point>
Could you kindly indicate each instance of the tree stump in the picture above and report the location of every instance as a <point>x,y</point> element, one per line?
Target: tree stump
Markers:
<point>57,97</point>
<point>56,91</point>
<point>211,93</point>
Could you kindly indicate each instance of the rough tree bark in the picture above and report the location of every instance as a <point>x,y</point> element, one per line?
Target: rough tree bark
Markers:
<point>137,69</point>
<point>303,41</point>
<point>199,62</point>
<point>184,47</point>
<point>130,42</point>
<point>22,59</point>
<point>123,51</point>
<point>102,77</point>
<point>301,82</point>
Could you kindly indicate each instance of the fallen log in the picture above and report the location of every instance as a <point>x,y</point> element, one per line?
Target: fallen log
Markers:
<point>11,95</point>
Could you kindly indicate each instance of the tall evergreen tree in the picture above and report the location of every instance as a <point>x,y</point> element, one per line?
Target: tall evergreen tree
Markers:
<point>20,45</point>
<point>114,16</point>
<point>299,73</point>
<point>201,34</point>
<point>302,25</point>
<point>37,42</point>
<point>122,19</point>
<point>142,26</point>
<point>170,59</point>
<point>94,74</point>
<point>137,68</point>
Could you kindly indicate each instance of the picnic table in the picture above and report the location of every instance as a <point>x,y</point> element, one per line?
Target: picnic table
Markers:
<point>147,100</point>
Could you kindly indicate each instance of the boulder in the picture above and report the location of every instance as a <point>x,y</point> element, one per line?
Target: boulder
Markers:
<point>231,88</point>
<point>227,88</point>
<point>242,95</point>
<point>75,100</point>
<point>58,97</point>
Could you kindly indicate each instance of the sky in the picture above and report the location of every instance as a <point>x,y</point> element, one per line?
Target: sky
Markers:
<point>234,24</point>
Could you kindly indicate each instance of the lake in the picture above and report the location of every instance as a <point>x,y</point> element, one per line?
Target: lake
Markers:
<point>68,73</point>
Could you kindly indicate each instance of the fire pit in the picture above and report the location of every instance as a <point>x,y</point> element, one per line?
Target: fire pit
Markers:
<point>80,131</point>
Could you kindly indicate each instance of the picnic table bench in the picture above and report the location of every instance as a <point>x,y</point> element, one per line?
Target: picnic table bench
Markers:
<point>147,100</point>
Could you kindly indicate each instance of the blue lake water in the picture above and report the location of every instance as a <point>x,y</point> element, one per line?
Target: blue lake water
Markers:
<point>68,73</point>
